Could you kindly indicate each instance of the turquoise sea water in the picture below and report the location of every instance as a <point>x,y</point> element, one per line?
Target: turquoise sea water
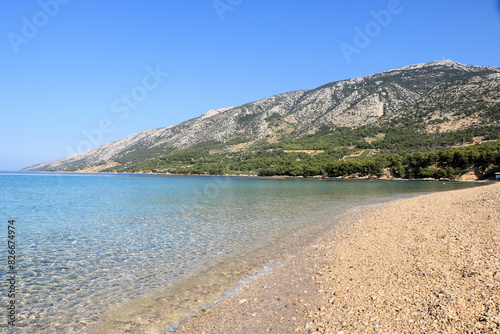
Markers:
<point>89,245</point>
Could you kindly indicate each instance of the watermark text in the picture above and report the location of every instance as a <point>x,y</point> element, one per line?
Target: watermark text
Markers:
<point>223,6</point>
<point>364,36</point>
<point>31,26</point>
<point>11,273</point>
<point>121,108</point>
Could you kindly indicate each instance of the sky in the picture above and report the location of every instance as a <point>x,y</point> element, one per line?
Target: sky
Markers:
<point>75,74</point>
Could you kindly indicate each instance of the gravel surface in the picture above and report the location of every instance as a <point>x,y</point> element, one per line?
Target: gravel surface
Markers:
<point>429,264</point>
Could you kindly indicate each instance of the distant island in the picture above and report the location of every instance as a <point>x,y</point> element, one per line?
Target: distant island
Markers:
<point>438,120</point>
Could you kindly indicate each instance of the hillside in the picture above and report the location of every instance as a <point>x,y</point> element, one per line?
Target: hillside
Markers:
<point>417,107</point>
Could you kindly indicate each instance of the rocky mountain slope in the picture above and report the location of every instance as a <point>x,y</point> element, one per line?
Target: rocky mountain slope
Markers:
<point>443,94</point>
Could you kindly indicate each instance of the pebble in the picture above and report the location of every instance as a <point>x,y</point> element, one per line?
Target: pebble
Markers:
<point>399,276</point>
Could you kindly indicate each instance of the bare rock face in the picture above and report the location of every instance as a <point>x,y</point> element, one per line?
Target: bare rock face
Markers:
<point>471,176</point>
<point>354,102</point>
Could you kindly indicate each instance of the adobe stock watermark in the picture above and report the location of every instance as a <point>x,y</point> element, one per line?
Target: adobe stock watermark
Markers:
<point>223,6</point>
<point>121,108</point>
<point>31,26</point>
<point>213,188</point>
<point>372,29</point>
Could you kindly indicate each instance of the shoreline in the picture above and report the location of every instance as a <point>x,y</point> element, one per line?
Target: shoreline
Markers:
<point>217,281</point>
<point>151,319</point>
<point>200,291</point>
<point>276,177</point>
<point>343,283</point>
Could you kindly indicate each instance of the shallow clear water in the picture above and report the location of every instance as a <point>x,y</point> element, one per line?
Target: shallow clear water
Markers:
<point>89,245</point>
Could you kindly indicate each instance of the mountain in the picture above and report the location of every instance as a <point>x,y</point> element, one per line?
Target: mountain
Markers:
<point>441,96</point>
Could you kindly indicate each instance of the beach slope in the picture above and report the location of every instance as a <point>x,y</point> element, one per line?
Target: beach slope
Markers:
<point>420,265</point>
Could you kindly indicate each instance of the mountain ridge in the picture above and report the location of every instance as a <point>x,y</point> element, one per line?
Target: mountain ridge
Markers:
<point>376,98</point>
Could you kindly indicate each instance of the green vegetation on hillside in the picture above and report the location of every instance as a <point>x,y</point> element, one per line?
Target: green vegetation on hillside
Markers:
<point>482,159</point>
<point>409,145</point>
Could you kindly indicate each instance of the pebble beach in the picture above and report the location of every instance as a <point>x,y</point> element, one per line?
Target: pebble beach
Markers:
<point>429,264</point>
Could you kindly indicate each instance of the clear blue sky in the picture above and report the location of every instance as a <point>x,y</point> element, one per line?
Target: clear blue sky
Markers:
<point>67,66</point>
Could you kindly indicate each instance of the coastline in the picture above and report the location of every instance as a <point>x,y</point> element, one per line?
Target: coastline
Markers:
<point>276,177</point>
<point>424,264</point>
<point>160,309</point>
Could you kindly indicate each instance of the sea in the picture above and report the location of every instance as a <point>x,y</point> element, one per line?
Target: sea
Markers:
<point>109,253</point>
